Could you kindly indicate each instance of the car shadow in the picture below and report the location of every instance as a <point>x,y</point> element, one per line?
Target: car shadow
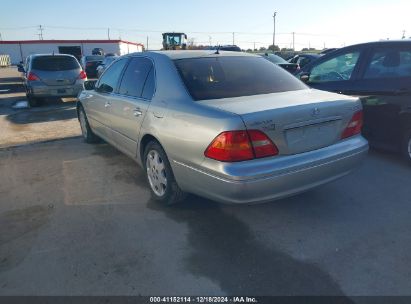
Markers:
<point>49,112</point>
<point>225,250</point>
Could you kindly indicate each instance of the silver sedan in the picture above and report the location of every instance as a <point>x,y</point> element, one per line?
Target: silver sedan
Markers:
<point>228,126</point>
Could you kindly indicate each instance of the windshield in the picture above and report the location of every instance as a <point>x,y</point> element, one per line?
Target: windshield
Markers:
<point>224,77</point>
<point>55,63</point>
<point>173,39</point>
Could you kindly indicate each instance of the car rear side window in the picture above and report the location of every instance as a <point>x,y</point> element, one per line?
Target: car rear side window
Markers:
<point>234,76</point>
<point>389,63</point>
<point>149,86</point>
<point>135,77</point>
<point>55,63</point>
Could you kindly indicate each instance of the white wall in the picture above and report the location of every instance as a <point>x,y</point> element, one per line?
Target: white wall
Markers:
<point>47,48</point>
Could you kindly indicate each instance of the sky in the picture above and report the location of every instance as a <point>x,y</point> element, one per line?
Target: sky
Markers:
<point>316,23</point>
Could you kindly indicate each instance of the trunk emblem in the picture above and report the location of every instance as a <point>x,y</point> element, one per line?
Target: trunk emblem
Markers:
<point>315,112</point>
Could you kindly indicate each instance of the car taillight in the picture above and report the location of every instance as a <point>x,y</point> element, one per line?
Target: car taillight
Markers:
<point>262,145</point>
<point>234,146</point>
<point>83,75</point>
<point>354,126</point>
<point>32,77</point>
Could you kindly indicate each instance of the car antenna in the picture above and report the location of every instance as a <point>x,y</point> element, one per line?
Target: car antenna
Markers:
<point>218,50</point>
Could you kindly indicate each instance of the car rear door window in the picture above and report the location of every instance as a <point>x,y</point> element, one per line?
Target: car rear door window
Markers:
<point>337,68</point>
<point>389,63</point>
<point>108,82</point>
<point>55,63</point>
<point>149,86</point>
<point>135,77</point>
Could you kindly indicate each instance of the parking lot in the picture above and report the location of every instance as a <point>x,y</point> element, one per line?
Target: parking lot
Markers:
<point>77,219</point>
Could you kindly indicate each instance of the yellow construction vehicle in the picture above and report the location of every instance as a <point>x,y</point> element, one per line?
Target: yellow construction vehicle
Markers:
<point>174,41</point>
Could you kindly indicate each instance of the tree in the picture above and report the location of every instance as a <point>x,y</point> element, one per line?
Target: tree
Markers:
<point>249,50</point>
<point>262,49</point>
<point>274,48</point>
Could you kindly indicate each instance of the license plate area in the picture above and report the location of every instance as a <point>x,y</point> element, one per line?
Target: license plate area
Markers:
<point>311,137</point>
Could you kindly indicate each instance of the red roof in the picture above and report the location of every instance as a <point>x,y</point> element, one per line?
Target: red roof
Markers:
<point>67,41</point>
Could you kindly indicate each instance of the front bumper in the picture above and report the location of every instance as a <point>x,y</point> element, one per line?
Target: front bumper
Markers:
<point>265,180</point>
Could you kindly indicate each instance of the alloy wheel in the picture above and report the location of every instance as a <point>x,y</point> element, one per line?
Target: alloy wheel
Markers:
<point>156,173</point>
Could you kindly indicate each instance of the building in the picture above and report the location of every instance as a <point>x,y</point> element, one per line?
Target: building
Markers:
<point>19,50</point>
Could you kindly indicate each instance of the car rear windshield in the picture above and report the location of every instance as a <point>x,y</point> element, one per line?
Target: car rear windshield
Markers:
<point>55,63</point>
<point>231,76</point>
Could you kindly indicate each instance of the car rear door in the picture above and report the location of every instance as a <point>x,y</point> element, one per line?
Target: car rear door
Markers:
<point>98,102</point>
<point>131,103</point>
<point>385,89</point>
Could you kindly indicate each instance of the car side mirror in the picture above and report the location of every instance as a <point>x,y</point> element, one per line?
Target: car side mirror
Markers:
<point>90,85</point>
<point>20,68</point>
<point>305,77</point>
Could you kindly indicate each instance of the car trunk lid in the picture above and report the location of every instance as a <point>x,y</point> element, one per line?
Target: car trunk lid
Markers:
<point>296,121</point>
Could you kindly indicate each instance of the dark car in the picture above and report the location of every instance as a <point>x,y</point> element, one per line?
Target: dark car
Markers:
<point>97,51</point>
<point>326,51</point>
<point>104,64</point>
<point>293,68</point>
<point>90,64</point>
<point>303,59</point>
<point>380,74</point>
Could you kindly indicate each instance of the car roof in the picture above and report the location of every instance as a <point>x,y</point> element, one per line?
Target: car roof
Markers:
<point>43,55</point>
<point>175,55</point>
<point>382,42</point>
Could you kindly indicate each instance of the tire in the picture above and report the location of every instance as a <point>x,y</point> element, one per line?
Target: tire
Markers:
<point>160,177</point>
<point>406,146</point>
<point>33,102</point>
<point>88,135</point>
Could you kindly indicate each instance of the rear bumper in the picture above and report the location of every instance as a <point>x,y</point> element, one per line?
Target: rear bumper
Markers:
<point>54,91</point>
<point>270,179</point>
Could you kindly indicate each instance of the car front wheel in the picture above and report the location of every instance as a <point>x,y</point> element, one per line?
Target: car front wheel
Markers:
<point>160,176</point>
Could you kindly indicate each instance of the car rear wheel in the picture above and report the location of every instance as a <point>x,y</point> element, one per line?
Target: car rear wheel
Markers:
<point>88,135</point>
<point>160,176</point>
<point>406,146</point>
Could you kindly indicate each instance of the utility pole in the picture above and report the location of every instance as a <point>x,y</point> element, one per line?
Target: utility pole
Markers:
<point>293,41</point>
<point>233,38</point>
<point>108,33</point>
<point>41,32</point>
<point>147,44</point>
<point>403,34</point>
<point>275,14</point>
<point>254,47</point>
<point>209,40</point>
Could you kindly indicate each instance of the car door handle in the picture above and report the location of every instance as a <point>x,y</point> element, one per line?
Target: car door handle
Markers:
<point>107,104</point>
<point>137,112</point>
